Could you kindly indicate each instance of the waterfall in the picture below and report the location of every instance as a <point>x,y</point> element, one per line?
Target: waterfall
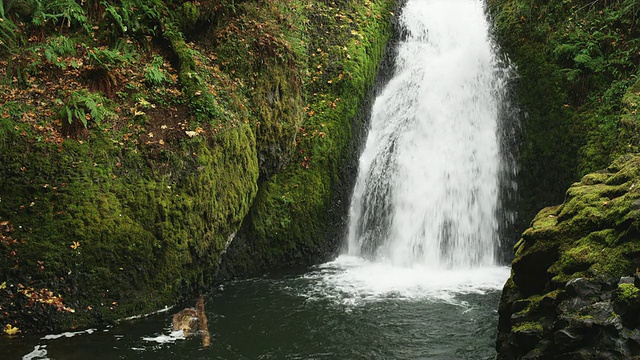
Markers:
<point>429,178</point>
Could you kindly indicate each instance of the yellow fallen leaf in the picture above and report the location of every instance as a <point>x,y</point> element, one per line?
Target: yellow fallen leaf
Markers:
<point>10,330</point>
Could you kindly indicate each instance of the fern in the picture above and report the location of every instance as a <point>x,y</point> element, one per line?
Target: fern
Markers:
<point>153,74</point>
<point>58,47</point>
<point>7,29</point>
<point>137,17</point>
<point>65,13</point>
<point>84,106</point>
<point>105,58</point>
<point>582,59</point>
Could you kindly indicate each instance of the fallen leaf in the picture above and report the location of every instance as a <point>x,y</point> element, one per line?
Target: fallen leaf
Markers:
<point>10,330</point>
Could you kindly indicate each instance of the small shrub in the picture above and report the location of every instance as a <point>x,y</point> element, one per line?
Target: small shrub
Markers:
<point>133,17</point>
<point>106,58</point>
<point>7,31</point>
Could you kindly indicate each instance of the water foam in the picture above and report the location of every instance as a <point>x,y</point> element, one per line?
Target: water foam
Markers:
<point>67,334</point>
<point>170,338</point>
<point>352,280</point>
<point>39,353</point>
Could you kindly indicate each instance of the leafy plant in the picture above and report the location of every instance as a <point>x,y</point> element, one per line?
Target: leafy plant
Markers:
<point>153,73</point>
<point>7,31</point>
<point>84,106</point>
<point>64,13</point>
<point>58,47</point>
<point>106,58</point>
<point>134,17</point>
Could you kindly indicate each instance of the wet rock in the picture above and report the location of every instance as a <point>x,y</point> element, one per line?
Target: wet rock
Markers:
<point>572,294</point>
<point>520,305</point>
<point>527,336</point>
<point>627,280</point>
<point>634,338</point>
<point>530,273</point>
<point>572,305</point>
<point>626,299</point>
<point>600,312</point>
<point>567,339</point>
<point>583,288</point>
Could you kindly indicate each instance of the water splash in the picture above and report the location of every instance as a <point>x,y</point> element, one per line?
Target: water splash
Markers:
<point>354,281</point>
<point>428,184</point>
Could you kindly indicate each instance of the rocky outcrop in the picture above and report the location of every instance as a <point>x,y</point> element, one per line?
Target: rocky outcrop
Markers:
<point>571,294</point>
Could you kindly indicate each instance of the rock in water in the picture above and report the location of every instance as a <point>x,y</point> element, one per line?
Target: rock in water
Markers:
<point>191,320</point>
<point>186,320</point>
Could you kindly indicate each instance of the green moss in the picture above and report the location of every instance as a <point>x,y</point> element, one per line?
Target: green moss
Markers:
<point>288,222</point>
<point>533,302</point>
<point>117,222</point>
<point>580,229</point>
<point>627,292</point>
<point>543,227</point>
<point>626,302</point>
<point>528,327</point>
<point>593,237</point>
<point>577,258</point>
<point>144,239</point>
<point>578,93</point>
<point>545,221</point>
<point>615,261</point>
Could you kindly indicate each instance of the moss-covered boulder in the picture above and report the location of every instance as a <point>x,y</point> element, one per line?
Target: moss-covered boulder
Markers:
<point>571,294</point>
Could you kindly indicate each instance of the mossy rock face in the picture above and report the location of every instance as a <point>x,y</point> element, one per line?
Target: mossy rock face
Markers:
<point>220,123</point>
<point>115,240</point>
<point>563,296</point>
<point>578,99</point>
<point>299,211</point>
<point>575,90</point>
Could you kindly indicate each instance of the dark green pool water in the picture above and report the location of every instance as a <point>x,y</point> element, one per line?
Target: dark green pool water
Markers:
<point>343,310</point>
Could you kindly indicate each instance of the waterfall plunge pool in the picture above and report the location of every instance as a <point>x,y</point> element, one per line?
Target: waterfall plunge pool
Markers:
<point>346,309</point>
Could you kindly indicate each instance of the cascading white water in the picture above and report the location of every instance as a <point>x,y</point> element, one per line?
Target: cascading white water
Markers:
<point>428,182</point>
